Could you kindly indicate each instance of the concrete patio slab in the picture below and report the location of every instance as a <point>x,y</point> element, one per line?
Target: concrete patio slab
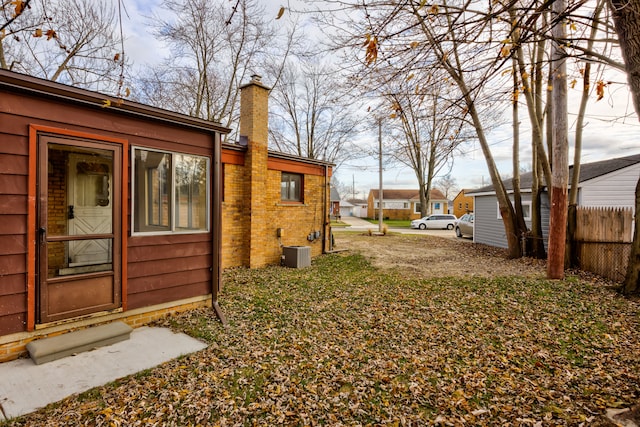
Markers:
<point>25,386</point>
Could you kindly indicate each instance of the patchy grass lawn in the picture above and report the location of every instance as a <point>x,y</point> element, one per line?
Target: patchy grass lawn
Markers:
<point>343,343</point>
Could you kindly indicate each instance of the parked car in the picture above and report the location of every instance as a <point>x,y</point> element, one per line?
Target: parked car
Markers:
<point>464,225</point>
<point>447,221</point>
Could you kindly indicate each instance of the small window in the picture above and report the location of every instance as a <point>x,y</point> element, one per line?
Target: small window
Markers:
<point>526,210</point>
<point>291,187</point>
<point>170,192</point>
<point>436,205</point>
<point>405,205</point>
<point>460,205</point>
<point>416,208</point>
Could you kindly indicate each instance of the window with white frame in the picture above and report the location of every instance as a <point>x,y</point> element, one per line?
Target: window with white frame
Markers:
<point>416,208</point>
<point>384,205</point>
<point>526,210</point>
<point>170,192</point>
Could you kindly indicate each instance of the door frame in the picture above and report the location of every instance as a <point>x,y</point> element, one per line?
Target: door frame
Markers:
<point>35,131</point>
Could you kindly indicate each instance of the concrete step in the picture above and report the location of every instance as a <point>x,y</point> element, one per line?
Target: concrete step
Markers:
<point>57,347</point>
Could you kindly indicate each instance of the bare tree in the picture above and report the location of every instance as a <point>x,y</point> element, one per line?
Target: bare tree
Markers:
<point>74,42</point>
<point>450,37</point>
<point>211,55</point>
<point>473,44</point>
<point>429,131</point>
<point>625,18</point>
<point>448,185</point>
<point>310,116</point>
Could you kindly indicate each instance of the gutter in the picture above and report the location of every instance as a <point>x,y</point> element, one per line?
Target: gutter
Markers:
<point>326,224</point>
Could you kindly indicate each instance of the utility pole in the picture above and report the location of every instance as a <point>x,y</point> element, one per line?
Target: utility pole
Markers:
<point>353,185</point>
<point>380,198</point>
<point>560,154</point>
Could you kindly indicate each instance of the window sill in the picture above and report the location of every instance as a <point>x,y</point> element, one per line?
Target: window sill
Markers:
<point>292,204</point>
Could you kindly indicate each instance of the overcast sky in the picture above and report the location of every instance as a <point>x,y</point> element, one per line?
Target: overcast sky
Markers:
<point>611,128</point>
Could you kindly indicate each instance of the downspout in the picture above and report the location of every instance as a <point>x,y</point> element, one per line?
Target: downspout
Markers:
<point>216,226</point>
<point>327,226</point>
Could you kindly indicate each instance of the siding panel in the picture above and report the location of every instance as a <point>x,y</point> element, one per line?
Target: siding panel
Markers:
<point>13,224</point>
<point>12,323</point>
<point>10,245</point>
<point>489,229</point>
<point>616,189</point>
<point>13,284</point>
<point>183,250</point>
<point>11,164</point>
<point>169,280</point>
<point>164,295</point>
<point>166,266</point>
<point>13,264</point>
<point>13,204</point>
<point>13,184</point>
<point>13,304</point>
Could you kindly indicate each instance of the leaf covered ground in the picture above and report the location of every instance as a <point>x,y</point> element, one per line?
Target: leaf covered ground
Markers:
<point>344,343</point>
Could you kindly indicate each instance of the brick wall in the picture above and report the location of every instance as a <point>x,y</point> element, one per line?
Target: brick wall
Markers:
<point>57,209</point>
<point>252,210</point>
<point>235,218</point>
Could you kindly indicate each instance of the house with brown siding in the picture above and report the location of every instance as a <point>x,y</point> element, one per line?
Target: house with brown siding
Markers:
<point>404,204</point>
<point>113,210</point>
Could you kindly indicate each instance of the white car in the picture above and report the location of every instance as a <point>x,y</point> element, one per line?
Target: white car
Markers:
<point>441,221</point>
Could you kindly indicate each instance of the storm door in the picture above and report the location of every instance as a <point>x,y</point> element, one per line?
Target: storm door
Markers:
<point>79,220</point>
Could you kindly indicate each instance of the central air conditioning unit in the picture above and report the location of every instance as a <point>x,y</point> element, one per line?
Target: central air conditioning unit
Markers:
<point>297,256</point>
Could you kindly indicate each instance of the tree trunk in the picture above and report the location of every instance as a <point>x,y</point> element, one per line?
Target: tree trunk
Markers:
<point>631,285</point>
<point>625,19</point>
<point>560,171</point>
<point>517,196</point>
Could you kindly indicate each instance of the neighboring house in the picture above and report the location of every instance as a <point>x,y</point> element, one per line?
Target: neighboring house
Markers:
<point>346,208</point>
<point>334,210</point>
<point>404,204</point>
<point>359,207</point>
<point>607,183</point>
<point>462,203</point>
<point>130,212</point>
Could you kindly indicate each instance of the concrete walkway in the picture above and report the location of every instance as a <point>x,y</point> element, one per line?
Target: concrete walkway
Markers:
<point>359,223</point>
<point>25,386</point>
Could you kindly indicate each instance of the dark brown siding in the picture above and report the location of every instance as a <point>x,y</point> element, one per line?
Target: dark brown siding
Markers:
<point>14,169</point>
<point>161,268</point>
<point>168,267</point>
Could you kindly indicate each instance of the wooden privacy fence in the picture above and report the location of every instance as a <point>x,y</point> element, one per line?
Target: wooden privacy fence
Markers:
<point>601,241</point>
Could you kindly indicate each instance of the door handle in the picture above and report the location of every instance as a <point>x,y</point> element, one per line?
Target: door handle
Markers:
<point>43,234</point>
<point>70,213</point>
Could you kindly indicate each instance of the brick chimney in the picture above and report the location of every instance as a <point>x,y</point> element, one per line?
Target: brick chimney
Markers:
<point>254,129</point>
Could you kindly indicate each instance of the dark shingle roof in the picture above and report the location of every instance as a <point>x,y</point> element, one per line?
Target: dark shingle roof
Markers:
<point>587,171</point>
<point>334,196</point>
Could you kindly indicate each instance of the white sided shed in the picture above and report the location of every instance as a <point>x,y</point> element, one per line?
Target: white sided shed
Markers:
<point>607,183</point>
